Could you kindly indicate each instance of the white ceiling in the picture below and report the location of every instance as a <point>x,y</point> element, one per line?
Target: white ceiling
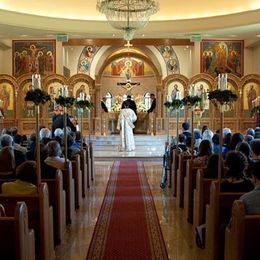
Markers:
<point>175,19</point>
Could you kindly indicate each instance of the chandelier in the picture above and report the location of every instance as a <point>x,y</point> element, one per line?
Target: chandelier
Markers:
<point>128,15</point>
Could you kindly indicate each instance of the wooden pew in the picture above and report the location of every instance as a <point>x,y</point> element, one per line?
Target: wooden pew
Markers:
<point>40,216</point>
<point>68,186</point>
<point>57,199</point>
<point>181,172</point>
<point>84,171</point>
<point>77,175</point>
<point>242,235</point>
<point>16,239</point>
<point>218,211</point>
<point>201,198</point>
<point>174,168</point>
<point>189,186</point>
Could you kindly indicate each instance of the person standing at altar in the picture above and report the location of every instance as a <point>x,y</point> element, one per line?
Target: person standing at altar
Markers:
<point>150,111</point>
<point>125,124</point>
<point>103,105</point>
<point>131,102</point>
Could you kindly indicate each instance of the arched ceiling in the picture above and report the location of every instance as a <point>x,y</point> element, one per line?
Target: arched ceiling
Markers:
<point>175,19</point>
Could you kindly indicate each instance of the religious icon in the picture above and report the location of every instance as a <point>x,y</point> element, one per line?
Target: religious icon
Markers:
<point>6,97</point>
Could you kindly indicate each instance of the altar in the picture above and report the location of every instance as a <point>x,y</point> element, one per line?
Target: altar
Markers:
<point>141,124</point>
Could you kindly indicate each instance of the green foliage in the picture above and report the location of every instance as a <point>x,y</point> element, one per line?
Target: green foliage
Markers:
<point>37,96</point>
<point>222,96</point>
<point>168,104</point>
<point>65,101</point>
<point>191,101</point>
<point>177,103</point>
<point>84,104</point>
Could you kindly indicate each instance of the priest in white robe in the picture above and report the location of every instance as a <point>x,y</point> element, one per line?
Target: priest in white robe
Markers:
<point>125,124</point>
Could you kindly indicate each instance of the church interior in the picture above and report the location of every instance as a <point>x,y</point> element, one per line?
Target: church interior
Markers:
<point>106,185</point>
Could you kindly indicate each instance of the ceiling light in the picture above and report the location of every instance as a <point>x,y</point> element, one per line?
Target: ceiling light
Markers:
<point>128,15</point>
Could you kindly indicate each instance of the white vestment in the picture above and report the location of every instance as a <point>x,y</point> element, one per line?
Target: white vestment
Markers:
<point>125,124</point>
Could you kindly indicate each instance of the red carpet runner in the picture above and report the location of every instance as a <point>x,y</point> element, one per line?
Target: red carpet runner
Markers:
<point>127,226</point>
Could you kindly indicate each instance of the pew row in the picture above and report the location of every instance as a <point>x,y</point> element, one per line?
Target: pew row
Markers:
<point>242,235</point>
<point>77,176</point>
<point>57,199</point>
<point>189,186</point>
<point>218,212</point>
<point>40,216</point>
<point>16,239</point>
<point>201,198</point>
<point>69,187</point>
<point>181,173</point>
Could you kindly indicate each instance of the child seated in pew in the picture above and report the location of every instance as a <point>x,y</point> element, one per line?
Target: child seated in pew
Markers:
<point>235,180</point>
<point>252,198</point>
<point>26,180</point>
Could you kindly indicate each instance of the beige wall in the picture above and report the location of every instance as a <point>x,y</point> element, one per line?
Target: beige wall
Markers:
<point>256,60</point>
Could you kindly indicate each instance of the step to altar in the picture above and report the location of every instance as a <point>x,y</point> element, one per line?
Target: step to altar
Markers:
<point>147,146</point>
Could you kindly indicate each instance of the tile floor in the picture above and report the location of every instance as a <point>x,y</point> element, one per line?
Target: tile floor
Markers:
<point>178,234</point>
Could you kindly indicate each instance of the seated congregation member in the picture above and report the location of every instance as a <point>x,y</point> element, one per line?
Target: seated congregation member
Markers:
<point>255,150</point>
<point>235,140</point>
<point>249,138</point>
<point>26,180</point>
<point>185,128</point>
<point>54,156</point>
<point>7,159</point>
<point>182,142</point>
<point>58,136</point>
<point>205,151</point>
<point>212,167</point>
<point>252,198</point>
<point>72,150</point>
<point>45,135</point>
<point>77,141</point>
<point>250,131</point>
<point>244,148</point>
<point>235,180</point>
<point>207,135</point>
<point>198,138</point>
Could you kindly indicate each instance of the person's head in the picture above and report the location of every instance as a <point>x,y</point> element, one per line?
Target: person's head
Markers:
<point>58,132</point>
<point>250,131</point>
<point>226,131</point>
<point>235,139</point>
<point>18,139</point>
<point>244,148</point>
<point>227,139</point>
<point>256,172</point>
<point>6,140</point>
<point>205,148</point>
<point>236,163</point>
<point>126,104</point>
<point>26,171</point>
<point>152,96</point>
<point>54,149</point>
<point>104,99</point>
<point>45,133</point>
<point>129,97</point>
<point>185,126</point>
<point>204,128</point>
<point>207,135</point>
<point>14,131</point>
<point>249,138</point>
<point>197,133</point>
<point>212,166</point>
<point>255,147</point>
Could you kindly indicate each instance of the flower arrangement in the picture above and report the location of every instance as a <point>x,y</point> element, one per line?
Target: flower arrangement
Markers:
<point>116,107</point>
<point>177,103</point>
<point>222,96</point>
<point>84,104</point>
<point>255,110</point>
<point>141,107</point>
<point>65,101</point>
<point>191,100</point>
<point>37,96</point>
<point>168,104</point>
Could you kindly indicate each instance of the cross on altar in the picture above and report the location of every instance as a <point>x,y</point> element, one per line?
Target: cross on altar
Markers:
<point>128,85</point>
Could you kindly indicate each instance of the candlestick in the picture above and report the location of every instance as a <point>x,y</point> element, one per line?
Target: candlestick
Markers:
<point>39,82</point>
<point>33,81</point>
<point>219,87</point>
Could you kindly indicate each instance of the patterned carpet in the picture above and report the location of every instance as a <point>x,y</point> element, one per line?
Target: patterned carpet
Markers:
<point>127,226</point>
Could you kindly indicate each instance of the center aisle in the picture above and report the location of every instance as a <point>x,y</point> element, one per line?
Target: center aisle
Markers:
<point>127,226</point>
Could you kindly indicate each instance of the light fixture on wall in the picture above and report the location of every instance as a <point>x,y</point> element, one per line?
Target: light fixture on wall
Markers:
<point>128,15</point>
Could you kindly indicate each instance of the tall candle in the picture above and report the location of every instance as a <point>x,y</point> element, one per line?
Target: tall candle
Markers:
<point>39,82</point>
<point>219,82</point>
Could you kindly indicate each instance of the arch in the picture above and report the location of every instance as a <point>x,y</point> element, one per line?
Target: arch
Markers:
<point>82,78</point>
<point>250,78</point>
<point>116,56</point>
<point>175,77</point>
<point>54,78</point>
<point>203,77</point>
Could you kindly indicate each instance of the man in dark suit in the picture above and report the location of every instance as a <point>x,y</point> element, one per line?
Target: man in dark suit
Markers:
<point>58,123</point>
<point>103,105</point>
<point>153,105</point>
<point>131,102</point>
